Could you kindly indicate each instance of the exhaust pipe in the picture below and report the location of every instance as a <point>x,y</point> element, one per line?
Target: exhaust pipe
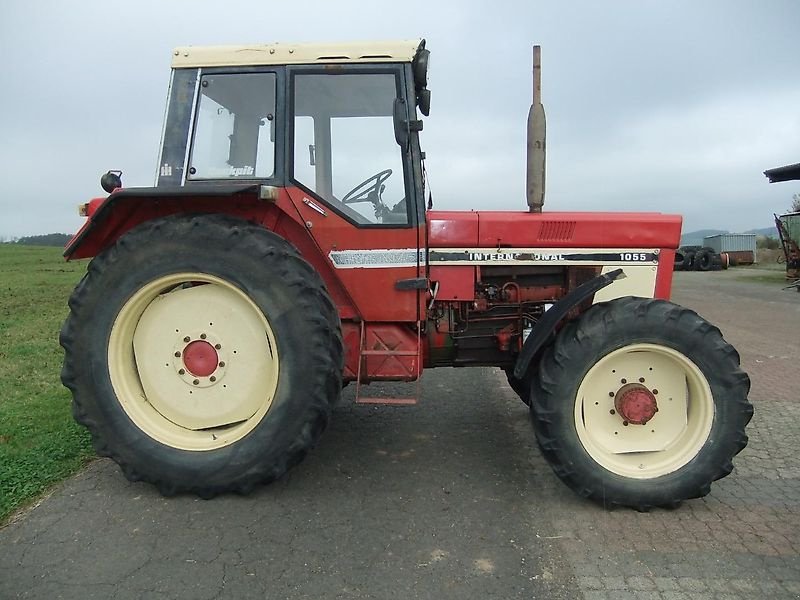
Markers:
<point>536,139</point>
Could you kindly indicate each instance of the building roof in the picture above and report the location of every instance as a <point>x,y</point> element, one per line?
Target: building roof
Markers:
<point>787,173</point>
<point>294,54</point>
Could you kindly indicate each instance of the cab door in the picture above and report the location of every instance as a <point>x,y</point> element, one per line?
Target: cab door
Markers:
<point>354,186</point>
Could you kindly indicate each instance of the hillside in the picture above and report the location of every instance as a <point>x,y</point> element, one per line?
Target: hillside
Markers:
<point>695,238</point>
<point>765,231</point>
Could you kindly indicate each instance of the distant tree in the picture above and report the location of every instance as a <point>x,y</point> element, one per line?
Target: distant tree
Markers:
<point>768,242</point>
<point>795,207</point>
<point>50,239</point>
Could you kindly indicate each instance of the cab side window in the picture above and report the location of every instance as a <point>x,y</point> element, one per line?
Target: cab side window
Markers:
<point>344,146</point>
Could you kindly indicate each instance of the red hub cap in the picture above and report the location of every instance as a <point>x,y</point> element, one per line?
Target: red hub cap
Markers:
<point>200,358</point>
<point>635,404</point>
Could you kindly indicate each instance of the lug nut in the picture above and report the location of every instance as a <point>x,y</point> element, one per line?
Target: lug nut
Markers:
<point>187,339</point>
<point>177,355</point>
<point>203,336</point>
<point>624,380</point>
<point>612,412</point>
<point>655,392</point>
<point>181,371</point>
<point>641,379</point>
<point>196,382</point>
<point>218,346</point>
<point>611,394</point>
<point>625,423</point>
<point>212,378</point>
<point>222,363</point>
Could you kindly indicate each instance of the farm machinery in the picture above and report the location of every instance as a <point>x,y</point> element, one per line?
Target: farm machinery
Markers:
<point>790,243</point>
<point>788,225</point>
<point>287,249</point>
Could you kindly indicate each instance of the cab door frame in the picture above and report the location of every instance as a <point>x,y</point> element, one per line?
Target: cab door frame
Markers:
<point>371,259</point>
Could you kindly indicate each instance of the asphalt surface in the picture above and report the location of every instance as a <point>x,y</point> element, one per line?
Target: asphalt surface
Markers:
<point>446,499</point>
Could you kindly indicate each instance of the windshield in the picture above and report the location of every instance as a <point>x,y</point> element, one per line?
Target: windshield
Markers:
<point>234,127</point>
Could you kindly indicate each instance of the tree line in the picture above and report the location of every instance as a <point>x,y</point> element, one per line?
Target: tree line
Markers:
<point>48,239</point>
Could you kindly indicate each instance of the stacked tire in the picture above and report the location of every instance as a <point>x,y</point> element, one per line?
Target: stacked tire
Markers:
<point>685,258</point>
<point>698,258</point>
<point>704,259</point>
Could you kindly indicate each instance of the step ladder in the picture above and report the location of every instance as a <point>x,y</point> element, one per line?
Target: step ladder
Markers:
<point>364,354</point>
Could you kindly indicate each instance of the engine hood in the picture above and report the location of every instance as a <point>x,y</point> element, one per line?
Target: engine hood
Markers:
<point>521,229</point>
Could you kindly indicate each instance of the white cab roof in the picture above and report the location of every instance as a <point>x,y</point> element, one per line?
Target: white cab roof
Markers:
<point>294,54</point>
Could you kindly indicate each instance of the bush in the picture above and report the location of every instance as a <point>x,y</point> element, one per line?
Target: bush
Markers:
<point>766,242</point>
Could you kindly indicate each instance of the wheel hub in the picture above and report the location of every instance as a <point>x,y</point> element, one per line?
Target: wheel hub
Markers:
<point>200,358</point>
<point>635,404</point>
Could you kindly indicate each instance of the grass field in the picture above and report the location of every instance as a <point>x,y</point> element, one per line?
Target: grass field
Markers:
<point>39,442</point>
<point>768,274</point>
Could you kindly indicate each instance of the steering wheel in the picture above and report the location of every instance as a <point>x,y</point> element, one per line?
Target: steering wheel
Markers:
<point>368,190</point>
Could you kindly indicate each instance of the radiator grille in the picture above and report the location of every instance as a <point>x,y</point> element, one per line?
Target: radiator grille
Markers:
<point>556,230</point>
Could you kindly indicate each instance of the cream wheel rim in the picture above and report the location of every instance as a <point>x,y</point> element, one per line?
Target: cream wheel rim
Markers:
<point>193,361</point>
<point>671,437</point>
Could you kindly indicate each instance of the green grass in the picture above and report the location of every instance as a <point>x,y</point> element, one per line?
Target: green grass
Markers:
<point>40,444</point>
<point>771,277</point>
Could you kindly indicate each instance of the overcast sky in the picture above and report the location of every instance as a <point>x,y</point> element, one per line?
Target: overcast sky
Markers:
<point>663,106</point>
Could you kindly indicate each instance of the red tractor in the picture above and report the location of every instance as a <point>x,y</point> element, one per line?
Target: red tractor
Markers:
<point>287,249</point>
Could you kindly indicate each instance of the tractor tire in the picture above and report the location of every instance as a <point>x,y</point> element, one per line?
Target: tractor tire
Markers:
<point>704,259</point>
<point>203,353</point>
<point>624,363</point>
<point>688,260</point>
<point>679,260</point>
<point>521,387</point>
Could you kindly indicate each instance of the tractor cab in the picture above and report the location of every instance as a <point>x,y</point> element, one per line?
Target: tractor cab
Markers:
<point>339,122</point>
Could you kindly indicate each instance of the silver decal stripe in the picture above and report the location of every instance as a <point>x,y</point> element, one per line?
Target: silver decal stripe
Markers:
<point>409,257</point>
<point>376,259</point>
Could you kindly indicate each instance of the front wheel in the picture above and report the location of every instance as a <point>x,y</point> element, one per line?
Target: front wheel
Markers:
<point>641,403</point>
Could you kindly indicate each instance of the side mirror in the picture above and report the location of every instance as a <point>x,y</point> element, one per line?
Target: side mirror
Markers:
<point>424,101</point>
<point>420,66</point>
<point>400,118</point>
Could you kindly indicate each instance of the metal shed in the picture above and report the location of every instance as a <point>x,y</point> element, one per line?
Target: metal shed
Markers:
<point>733,243</point>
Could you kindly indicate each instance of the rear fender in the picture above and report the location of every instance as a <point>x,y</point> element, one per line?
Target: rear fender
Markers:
<point>124,209</point>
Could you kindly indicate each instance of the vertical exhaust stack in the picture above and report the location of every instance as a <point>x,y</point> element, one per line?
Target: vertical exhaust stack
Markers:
<point>536,139</point>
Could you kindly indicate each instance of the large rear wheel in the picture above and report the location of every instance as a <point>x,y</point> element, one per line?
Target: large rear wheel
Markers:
<point>641,403</point>
<point>203,354</point>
